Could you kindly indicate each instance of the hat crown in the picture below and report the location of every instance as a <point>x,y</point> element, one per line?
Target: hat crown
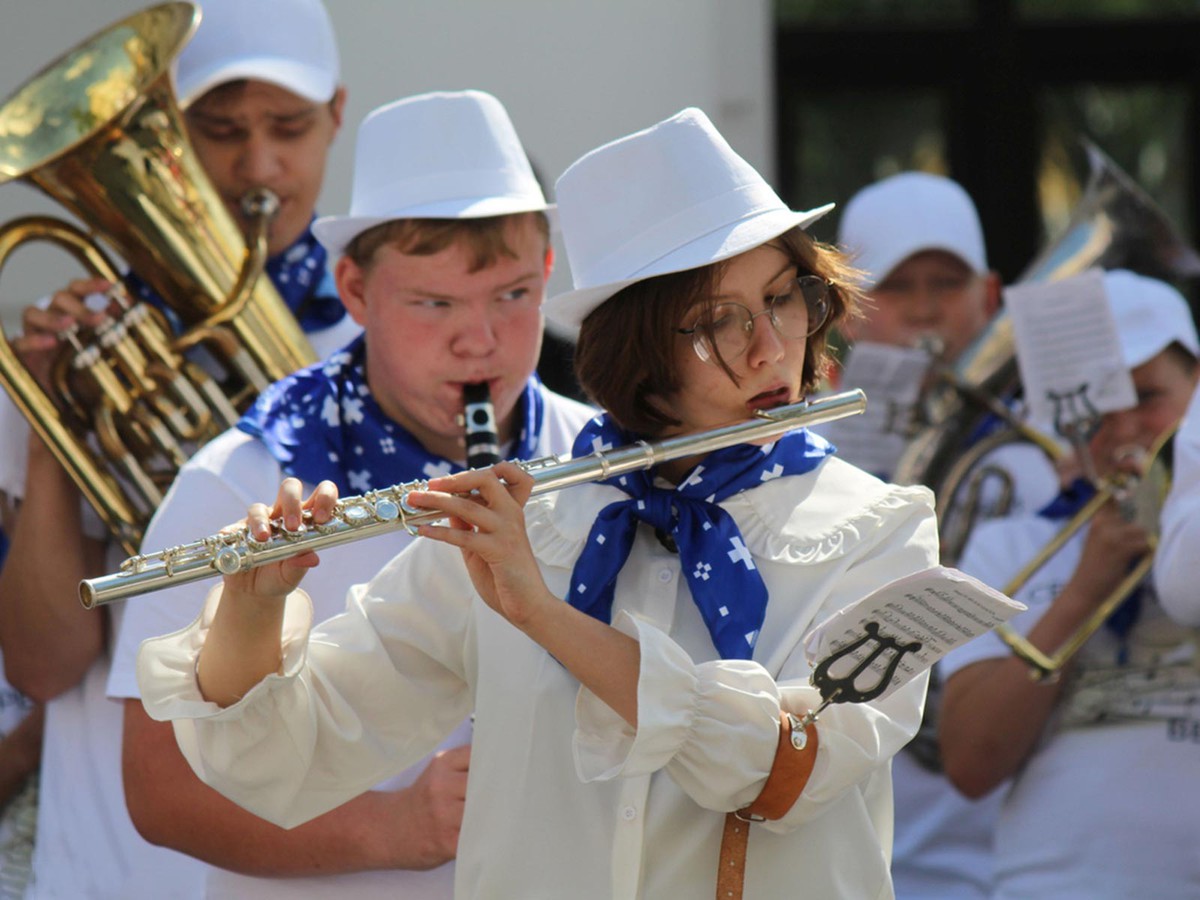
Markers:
<point>900,216</point>
<point>439,147</point>
<point>680,180</point>
<point>289,43</point>
<point>441,155</point>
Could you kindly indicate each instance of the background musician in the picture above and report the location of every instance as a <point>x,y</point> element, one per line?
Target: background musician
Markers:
<point>443,259</point>
<point>919,243</point>
<point>1099,755</point>
<point>259,84</point>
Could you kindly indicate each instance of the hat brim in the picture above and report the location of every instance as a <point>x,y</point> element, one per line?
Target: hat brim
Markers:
<point>336,232</point>
<point>571,308</point>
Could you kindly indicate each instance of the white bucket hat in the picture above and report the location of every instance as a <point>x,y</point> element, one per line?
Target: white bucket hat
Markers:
<point>289,43</point>
<point>435,156</point>
<point>1151,315</point>
<point>887,222</point>
<point>667,199</point>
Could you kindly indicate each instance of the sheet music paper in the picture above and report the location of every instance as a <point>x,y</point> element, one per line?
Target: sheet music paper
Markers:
<point>941,608</point>
<point>891,377</point>
<point>1068,349</point>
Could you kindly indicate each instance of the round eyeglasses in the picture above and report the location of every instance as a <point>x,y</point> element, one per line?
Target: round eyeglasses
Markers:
<point>796,313</point>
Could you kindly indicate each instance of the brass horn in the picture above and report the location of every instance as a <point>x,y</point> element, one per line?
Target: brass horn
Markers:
<point>100,131</point>
<point>1114,225</point>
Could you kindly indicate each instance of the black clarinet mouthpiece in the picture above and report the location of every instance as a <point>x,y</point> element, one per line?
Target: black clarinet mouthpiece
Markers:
<point>479,419</point>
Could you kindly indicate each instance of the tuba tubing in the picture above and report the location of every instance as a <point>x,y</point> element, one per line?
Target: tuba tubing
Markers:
<point>99,130</point>
<point>385,510</point>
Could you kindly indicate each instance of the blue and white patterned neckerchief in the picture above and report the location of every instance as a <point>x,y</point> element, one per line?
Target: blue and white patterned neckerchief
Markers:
<point>299,273</point>
<point>1069,501</point>
<point>323,423</point>
<point>725,584</point>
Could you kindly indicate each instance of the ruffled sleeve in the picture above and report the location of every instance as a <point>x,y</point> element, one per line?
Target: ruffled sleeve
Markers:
<point>370,692</point>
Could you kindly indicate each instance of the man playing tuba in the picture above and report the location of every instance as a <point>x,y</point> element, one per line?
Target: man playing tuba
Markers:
<point>260,87</point>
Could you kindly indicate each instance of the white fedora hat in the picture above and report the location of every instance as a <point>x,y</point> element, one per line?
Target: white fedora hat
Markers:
<point>670,198</point>
<point>446,155</point>
<point>289,43</point>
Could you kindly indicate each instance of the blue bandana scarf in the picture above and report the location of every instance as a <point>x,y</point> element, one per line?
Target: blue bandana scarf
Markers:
<point>323,423</point>
<point>1071,500</point>
<point>299,273</point>
<point>725,584</point>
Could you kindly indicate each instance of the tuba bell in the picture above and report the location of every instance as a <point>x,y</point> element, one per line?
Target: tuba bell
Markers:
<point>1114,225</point>
<point>100,131</point>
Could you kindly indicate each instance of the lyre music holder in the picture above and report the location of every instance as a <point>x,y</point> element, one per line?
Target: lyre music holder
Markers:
<point>846,688</point>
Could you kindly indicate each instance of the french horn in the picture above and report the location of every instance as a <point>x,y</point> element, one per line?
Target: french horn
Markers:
<point>99,130</point>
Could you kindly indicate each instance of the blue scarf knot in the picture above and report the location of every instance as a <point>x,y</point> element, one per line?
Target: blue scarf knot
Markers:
<point>725,583</point>
<point>323,423</point>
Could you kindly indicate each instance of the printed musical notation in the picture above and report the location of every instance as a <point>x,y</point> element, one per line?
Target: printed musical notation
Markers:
<point>1068,350</point>
<point>927,614</point>
<point>891,378</point>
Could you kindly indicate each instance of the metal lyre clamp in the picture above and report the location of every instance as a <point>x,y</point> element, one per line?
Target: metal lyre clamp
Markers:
<point>845,688</point>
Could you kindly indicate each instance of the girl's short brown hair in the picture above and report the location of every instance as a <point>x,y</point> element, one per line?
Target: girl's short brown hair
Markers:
<point>626,357</point>
<point>487,239</point>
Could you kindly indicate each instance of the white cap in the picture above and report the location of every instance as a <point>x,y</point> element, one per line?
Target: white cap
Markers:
<point>289,43</point>
<point>667,199</point>
<point>1151,315</point>
<point>435,156</point>
<point>887,222</point>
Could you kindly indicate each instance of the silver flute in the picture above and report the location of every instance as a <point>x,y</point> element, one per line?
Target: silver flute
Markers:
<point>386,510</point>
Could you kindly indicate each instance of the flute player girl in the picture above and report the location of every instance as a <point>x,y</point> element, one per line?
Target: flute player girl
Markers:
<point>628,647</point>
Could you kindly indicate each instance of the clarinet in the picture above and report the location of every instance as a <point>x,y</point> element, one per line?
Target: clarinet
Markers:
<point>479,420</point>
<point>385,510</point>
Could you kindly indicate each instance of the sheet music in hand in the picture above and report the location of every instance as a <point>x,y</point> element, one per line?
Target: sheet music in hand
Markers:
<point>922,617</point>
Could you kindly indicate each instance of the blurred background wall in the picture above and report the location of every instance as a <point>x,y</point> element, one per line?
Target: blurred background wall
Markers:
<point>572,73</point>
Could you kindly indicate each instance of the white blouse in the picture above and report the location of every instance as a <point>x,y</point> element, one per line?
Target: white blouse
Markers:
<point>564,798</point>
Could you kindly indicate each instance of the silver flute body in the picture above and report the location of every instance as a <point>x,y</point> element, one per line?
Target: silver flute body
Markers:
<point>386,510</point>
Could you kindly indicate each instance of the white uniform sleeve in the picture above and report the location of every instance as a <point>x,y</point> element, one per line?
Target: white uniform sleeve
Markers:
<point>371,692</point>
<point>201,502</point>
<point>1177,563</point>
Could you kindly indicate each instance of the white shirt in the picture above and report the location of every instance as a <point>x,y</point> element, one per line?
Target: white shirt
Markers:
<point>1095,811</point>
<point>943,840</point>
<point>564,799</point>
<point>215,488</point>
<point>1177,564</point>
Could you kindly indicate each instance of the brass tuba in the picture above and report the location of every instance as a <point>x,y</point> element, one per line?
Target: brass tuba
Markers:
<point>100,131</point>
<point>1115,225</point>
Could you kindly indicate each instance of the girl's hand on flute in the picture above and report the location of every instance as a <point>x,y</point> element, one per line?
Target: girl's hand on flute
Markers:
<point>487,522</point>
<point>243,642</point>
<point>275,581</point>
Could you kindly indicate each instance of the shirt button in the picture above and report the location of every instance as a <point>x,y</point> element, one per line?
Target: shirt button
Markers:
<point>665,575</point>
<point>629,814</point>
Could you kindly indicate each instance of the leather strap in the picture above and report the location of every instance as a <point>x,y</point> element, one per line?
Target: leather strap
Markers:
<point>794,760</point>
<point>732,873</point>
